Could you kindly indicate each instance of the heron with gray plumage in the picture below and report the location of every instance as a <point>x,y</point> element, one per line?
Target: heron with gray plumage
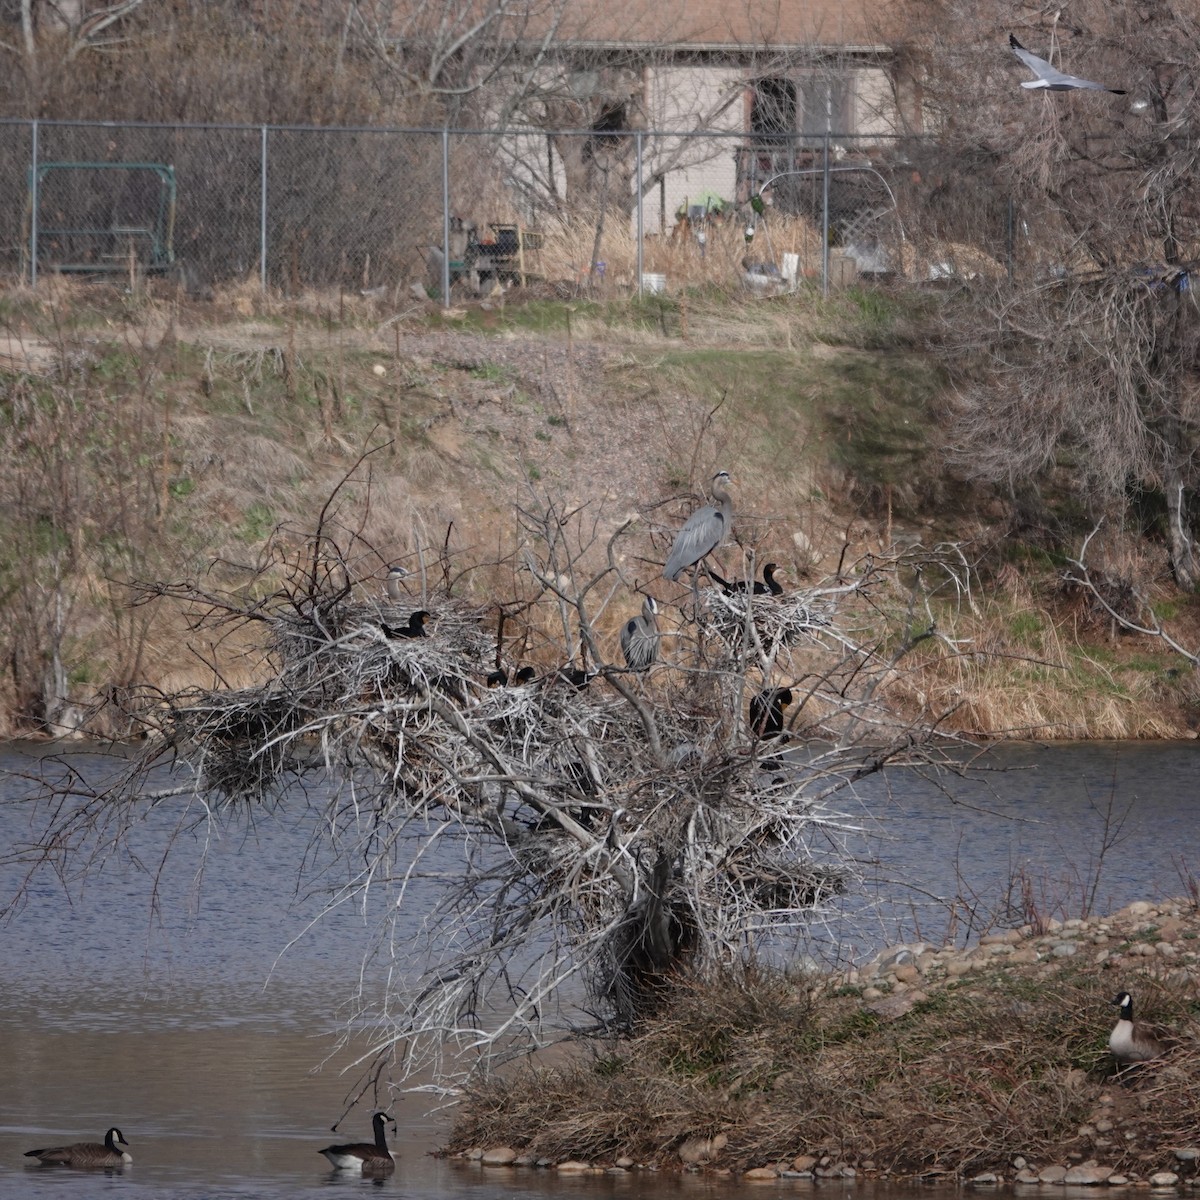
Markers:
<point>639,637</point>
<point>703,531</point>
<point>394,584</point>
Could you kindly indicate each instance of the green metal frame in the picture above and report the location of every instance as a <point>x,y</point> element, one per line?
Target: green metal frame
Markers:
<point>159,237</point>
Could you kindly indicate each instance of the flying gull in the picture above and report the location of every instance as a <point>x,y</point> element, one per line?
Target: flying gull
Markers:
<point>1050,78</point>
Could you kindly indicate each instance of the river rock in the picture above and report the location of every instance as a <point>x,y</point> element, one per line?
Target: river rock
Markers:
<point>1025,1175</point>
<point>1186,1153</point>
<point>1163,1179</point>
<point>1087,1176</point>
<point>1053,1174</point>
<point>803,1162</point>
<point>988,1177</point>
<point>474,1154</point>
<point>573,1167</point>
<point>761,1173</point>
<point>624,1162</point>
<point>499,1156</point>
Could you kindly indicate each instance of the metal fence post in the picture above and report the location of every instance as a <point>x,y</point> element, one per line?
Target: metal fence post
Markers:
<point>825,218</point>
<point>641,221</point>
<point>446,216</point>
<point>262,215</point>
<point>33,206</point>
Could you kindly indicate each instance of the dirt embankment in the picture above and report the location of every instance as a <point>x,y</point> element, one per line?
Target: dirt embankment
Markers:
<point>238,419</point>
<point>990,1064</point>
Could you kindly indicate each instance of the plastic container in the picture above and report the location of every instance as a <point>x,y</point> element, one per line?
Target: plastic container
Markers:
<point>653,284</point>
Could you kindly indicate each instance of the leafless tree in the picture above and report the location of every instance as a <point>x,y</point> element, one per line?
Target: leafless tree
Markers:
<point>1081,348</point>
<point>610,829</point>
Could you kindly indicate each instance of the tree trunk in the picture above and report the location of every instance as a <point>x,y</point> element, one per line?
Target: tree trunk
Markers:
<point>1179,538</point>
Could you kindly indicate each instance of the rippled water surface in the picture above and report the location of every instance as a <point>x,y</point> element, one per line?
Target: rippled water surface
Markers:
<point>160,1002</point>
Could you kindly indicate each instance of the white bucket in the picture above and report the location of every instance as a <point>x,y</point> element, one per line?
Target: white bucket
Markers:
<point>791,267</point>
<point>654,284</point>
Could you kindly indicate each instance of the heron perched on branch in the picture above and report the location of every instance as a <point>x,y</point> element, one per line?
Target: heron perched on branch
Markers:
<point>639,637</point>
<point>703,531</point>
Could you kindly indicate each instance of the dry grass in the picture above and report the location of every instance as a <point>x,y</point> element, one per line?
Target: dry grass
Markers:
<point>981,1071</point>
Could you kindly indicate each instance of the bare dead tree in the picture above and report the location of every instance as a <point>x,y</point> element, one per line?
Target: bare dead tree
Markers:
<point>609,829</point>
<point>1078,345</point>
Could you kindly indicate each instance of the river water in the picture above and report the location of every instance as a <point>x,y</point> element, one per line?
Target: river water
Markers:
<point>163,1004</point>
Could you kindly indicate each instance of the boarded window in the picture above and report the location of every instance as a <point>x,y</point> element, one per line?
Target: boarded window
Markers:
<point>827,104</point>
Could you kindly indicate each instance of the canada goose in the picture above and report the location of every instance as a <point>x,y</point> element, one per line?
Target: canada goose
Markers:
<point>414,629</point>
<point>367,1157</point>
<point>703,531</point>
<point>1135,1041</point>
<point>113,1153</point>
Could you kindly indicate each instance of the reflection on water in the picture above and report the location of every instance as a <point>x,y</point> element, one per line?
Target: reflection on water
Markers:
<point>162,1008</point>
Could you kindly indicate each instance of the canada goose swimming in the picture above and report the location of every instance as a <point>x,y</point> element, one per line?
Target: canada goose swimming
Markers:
<point>367,1157</point>
<point>414,629</point>
<point>394,584</point>
<point>1135,1041</point>
<point>703,531</point>
<point>113,1153</point>
<point>766,711</point>
<point>639,637</point>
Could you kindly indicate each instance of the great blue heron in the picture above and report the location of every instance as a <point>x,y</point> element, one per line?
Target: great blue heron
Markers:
<point>766,711</point>
<point>639,637</point>
<point>367,1157</point>
<point>703,531</point>
<point>767,586</point>
<point>114,1152</point>
<point>394,584</point>
<point>414,629</point>
<point>1050,78</point>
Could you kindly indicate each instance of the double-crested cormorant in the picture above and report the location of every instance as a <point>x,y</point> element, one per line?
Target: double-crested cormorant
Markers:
<point>577,676</point>
<point>366,1157</point>
<point>639,637</point>
<point>414,629</point>
<point>766,711</point>
<point>703,531</point>
<point>112,1153</point>
<point>769,585</point>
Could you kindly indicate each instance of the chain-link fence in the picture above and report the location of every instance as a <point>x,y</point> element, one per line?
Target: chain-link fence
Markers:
<point>294,207</point>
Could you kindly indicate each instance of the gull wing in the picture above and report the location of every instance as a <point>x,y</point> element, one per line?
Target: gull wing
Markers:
<point>1051,78</point>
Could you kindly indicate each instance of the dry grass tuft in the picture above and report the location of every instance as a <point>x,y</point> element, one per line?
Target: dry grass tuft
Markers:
<point>1005,1063</point>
